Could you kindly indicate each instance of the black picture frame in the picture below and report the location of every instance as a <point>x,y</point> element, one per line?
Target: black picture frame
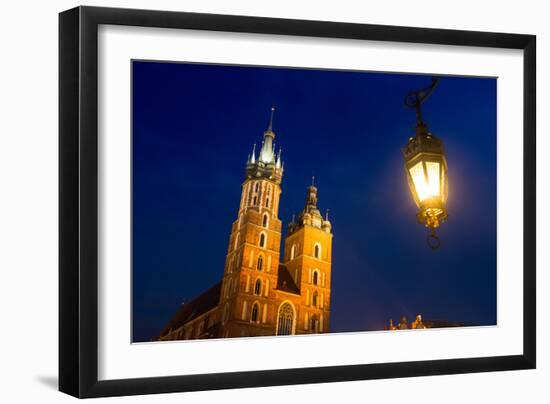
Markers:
<point>78,200</point>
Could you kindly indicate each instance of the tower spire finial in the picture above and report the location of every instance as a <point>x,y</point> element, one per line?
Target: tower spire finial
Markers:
<point>253,159</point>
<point>270,127</point>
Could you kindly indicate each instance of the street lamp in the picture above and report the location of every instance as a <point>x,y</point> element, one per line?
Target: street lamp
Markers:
<point>426,168</point>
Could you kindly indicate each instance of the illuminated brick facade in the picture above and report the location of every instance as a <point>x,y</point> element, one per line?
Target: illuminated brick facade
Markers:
<point>263,292</point>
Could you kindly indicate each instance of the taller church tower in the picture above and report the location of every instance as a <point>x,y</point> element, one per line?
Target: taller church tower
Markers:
<point>254,245</point>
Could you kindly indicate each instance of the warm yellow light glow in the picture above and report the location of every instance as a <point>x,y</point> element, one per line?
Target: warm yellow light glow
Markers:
<point>419,181</point>
<point>432,169</point>
<point>426,183</point>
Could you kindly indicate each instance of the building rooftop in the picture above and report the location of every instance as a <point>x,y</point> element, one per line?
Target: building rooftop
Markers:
<point>201,304</point>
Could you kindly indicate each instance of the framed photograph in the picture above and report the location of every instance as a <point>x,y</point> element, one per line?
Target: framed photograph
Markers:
<point>251,201</point>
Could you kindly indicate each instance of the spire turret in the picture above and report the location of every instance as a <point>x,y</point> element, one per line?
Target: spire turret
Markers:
<point>267,154</point>
<point>268,164</point>
<point>270,127</point>
<point>310,215</point>
<point>253,158</point>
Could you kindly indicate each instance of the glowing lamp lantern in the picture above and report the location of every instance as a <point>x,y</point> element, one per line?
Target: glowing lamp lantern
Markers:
<point>426,169</point>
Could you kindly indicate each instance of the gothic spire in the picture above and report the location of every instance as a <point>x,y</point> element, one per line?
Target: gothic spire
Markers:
<point>267,154</point>
<point>270,127</point>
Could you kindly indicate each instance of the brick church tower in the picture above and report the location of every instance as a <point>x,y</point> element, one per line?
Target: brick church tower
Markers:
<point>252,260</point>
<point>262,293</point>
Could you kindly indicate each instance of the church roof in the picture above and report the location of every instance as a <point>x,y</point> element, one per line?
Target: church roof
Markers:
<point>206,301</point>
<point>285,282</point>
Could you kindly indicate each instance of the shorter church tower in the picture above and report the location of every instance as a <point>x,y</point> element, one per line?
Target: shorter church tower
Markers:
<point>308,251</point>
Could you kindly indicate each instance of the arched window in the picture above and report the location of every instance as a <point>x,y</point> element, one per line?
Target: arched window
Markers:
<point>267,202</point>
<point>315,299</point>
<point>255,311</point>
<point>254,201</point>
<point>257,187</point>
<point>285,320</point>
<point>315,280</point>
<point>317,250</point>
<point>263,239</point>
<point>260,263</point>
<point>293,251</point>
<point>258,287</point>
<point>265,220</point>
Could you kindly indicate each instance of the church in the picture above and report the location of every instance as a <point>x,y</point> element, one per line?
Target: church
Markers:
<point>263,290</point>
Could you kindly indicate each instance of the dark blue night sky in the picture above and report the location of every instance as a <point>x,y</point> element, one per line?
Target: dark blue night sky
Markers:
<point>193,127</point>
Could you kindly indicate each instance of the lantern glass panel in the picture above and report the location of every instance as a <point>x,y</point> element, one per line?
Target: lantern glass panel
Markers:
<point>434,180</point>
<point>443,184</point>
<point>419,180</point>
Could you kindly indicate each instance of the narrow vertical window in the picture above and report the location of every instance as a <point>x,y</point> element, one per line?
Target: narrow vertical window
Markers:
<point>260,263</point>
<point>258,287</point>
<point>315,299</point>
<point>315,277</point>
<point>265,220</point>
<point>254,314</point>
<point>262,240</point>
<point>267,202</point>
<point>317,251</point>
<point>293,251</point>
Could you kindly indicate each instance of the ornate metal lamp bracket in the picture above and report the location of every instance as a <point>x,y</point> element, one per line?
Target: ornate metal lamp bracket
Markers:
<point>414,99</point>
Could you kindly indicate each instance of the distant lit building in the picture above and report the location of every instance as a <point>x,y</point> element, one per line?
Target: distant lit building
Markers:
<point>418,323</point>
